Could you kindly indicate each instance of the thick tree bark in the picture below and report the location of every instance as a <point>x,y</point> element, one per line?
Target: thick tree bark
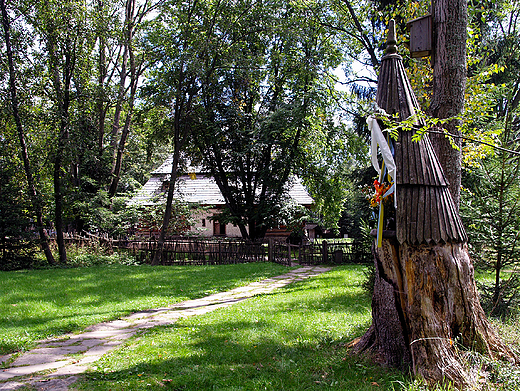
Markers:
<point>425,307</point>
<point>34,196</point>
<point>449,83</point>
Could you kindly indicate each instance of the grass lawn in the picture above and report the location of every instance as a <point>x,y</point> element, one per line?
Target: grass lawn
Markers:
<point>292,339</point>
<point>37,304</point>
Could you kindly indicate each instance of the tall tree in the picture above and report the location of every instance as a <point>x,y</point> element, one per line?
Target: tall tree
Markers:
<point>256,107</point>
<point>425,300</point>
<point>34,195</point>
<point>61,26</point>
<point>490,202</point>
<point>450,20</point>
<point>184,32</point>
<point>131,70</point>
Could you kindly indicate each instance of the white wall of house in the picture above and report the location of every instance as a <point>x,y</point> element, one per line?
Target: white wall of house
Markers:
<point>206,227</point>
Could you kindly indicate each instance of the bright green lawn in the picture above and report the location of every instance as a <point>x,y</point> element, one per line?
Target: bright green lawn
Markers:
<point>292,339</point>
<point>37,304</point>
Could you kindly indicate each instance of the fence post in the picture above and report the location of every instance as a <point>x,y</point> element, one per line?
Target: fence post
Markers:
<point>325,252</point>
<point>270,249</point>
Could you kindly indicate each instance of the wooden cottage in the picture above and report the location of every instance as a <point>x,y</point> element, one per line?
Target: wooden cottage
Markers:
<point>199,187</point>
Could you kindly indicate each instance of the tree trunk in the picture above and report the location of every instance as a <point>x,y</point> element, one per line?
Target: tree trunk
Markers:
<point>425,307</point>
<point>101,107</point>
<point>181,132</point>
<point>168,210</point>
<point>128,53</point>
<point>449,83</point>
<point>63,100</point>
<point>34,196</point>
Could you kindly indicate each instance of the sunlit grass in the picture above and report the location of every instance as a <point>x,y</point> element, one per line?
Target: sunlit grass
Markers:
<point>37,304</point>
<point>292,339</point>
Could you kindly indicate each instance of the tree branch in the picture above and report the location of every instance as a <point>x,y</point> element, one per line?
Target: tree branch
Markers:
<point>446,133</point>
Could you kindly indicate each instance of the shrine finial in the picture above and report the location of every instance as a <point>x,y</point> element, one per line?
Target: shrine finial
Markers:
<point>391,42</point>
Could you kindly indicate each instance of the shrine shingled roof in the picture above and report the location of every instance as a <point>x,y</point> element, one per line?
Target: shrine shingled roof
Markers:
<point>425,210</point>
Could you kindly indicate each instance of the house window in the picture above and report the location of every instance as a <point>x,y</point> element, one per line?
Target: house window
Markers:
<point>219,229</point>
<point>203,222</point>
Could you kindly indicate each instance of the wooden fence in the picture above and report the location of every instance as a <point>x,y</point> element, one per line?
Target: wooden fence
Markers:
<point>198,252</point>
<point>190,251</point>
<point>322,253</point>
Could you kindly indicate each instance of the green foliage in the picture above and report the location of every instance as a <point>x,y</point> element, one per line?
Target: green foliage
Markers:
<point>17,241</point>
<point>491,191</point>
<point>357,215</point>
<point>502,299</point>
<point>97,252</point>
<point>331,154</point>
<point>183,216</point>
<point>104,216</point>
<point>491,210</point>
<point>247,81</point>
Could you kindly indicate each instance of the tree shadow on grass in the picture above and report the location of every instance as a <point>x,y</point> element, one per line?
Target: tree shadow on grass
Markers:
<point>285,340</point>
<point>227,356</point>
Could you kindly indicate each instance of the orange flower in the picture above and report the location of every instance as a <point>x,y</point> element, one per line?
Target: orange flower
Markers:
<point>380,190</point>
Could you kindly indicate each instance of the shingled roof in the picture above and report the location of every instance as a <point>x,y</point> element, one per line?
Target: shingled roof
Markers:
<point>201,188</point>
<point>425,210</point>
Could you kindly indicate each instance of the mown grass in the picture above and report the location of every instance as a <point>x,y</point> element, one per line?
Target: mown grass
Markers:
<point>292,339</point>
<point>37,304</point>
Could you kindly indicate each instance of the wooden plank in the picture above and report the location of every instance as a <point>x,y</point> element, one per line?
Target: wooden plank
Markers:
<point>415,158</point>
<point>442,213</point>
<point>400,161</point>
<point>448,219</point>
<point>420,225</point>
<point>460,231</point>
<point>427,222</point>
<point>415,215</point>
<point>408,160</point>
<point>438,173</point>
<point>408,213</point>
<point>425,166</point>
<point>434,216</point>
<point>400,220</point>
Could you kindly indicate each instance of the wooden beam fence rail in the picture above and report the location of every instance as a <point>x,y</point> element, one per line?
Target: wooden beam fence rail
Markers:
<point>283,253</point>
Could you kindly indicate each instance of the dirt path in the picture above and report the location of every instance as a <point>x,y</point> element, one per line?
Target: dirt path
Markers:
<point>60,369</point>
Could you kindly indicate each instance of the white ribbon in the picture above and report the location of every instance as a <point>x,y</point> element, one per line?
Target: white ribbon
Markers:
<point>379,139</point>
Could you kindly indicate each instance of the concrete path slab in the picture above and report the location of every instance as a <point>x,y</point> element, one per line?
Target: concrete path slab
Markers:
<point>54,356</point>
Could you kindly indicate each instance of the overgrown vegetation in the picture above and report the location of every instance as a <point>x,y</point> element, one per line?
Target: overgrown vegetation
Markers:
<point>491,197</point>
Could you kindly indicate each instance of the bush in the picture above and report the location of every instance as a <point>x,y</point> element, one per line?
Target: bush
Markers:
<point>95,254</point>
<point>501,301</point>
